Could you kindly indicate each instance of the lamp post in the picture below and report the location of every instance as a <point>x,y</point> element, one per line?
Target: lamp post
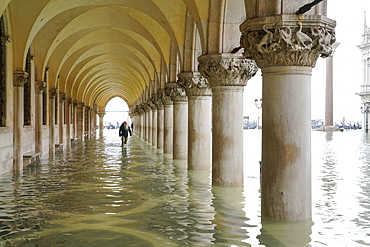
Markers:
<point>366,111</point>
<point>258,104</point>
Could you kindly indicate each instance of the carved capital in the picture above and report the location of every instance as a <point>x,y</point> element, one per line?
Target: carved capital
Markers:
<point>75,102</point>
<point>288,39</point>
<point>40,87</point>
<point>19,78</point>
<point>69,100</point>
<point>167,100</point>
<point>81,105</point>
<point>152,103</point>
<point>101,114</point>
<point>52,93</point>
<point>194,83</point>
<point>226,69</point>
<point>62,97</point>
<point>159,99</point>
<point>5,41</point>
<point>178,93</point>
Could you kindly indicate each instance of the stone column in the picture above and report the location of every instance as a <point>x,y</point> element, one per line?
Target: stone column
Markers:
<point>52,99</point>
<point>62,99</point>
<point>160,122</point>
<point>19,79</point>
<point>199,122</point>
<point>74,121</point>
<point>286,59</point>
<point>147,122</point>
<point>227,75</point>
<point>68,121</point>
<point>180,122</point>
<point>329,123</point>
<point>80,121</point>
<point>168,122</point>
<point>153,127</point>
<point>40,87</point>
<point>101,123</point>
<point>86,122</point>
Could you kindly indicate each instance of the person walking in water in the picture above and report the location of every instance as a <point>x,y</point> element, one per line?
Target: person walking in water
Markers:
<point>124,130</point>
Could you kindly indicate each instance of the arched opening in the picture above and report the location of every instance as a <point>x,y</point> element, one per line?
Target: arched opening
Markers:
<point>116,111</point>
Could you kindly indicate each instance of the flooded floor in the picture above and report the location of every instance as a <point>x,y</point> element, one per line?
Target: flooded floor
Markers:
<point>102,194</point>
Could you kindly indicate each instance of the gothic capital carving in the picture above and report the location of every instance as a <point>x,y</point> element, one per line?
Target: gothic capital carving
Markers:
<point>19,78</point>
<point>226,69</point>
<point>81,105</point>
<point>159,99</point>
<point>167,100</point>
<point>75,102</point>
<point>5,41</point>
<point>152,103</point>
<point>178,93</point>
<point>40,87</point>
<point>69,100</point>
<point>194,83</point>
<point>52,93</point>
<point>62,97</point>
<point>101,114</point>
<point>288,39</point>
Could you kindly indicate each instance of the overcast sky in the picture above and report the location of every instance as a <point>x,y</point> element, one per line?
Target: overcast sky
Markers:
<point>349,16</point>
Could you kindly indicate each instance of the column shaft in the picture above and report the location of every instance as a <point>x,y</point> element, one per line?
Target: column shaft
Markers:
<point>180,130</point>
<point>168,129</point>
<point>227,135</point>
<point>199,132</point>
<point>160,134</point>
<point>18,128</point>
<point>286,142</point>
<point>154,127</point>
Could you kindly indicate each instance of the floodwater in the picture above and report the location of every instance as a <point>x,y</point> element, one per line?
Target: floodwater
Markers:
<point>102,194</point>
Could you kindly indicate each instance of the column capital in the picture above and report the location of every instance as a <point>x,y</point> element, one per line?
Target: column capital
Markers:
<point>167,100</point>
<point>69,100</point>
<point>40,87</point>
<point>75,103</point>
<point>52,93</point>
<point>80,104</point>
<point>5,40</point>
<point>226,69</point>
<point>19,78</point>
<point>152,102</point>
<point>177,93</point>
<point>159,99</point>
<point>101,114</point>
<point>287,39</point>
<point>62,97</point>
<point>194,83</point>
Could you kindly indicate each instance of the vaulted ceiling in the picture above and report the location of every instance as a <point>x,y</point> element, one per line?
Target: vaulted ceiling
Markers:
<point>96,50</point>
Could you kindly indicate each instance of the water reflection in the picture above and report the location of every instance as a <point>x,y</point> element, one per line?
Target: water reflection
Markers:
<point>286,233</point>
<point>101,193</point>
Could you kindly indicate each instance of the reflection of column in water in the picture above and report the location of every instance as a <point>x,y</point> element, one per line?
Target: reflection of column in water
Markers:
<point>230,221</point>
<point>201,212</point>
<point>276,233</point>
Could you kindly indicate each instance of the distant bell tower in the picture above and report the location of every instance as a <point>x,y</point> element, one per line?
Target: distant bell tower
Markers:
<point>365,86</point>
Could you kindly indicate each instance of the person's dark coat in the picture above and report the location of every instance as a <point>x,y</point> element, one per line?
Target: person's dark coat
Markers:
<point>124,130</point>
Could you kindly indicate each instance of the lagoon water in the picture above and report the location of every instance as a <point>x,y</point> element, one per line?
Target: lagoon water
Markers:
<point>102,194</point>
